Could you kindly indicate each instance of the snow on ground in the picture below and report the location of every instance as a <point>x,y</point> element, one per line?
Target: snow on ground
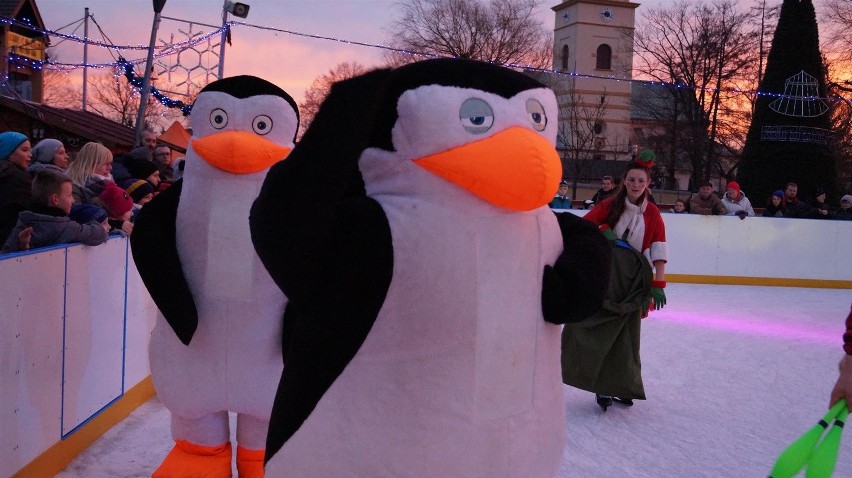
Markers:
<point>732,373</point>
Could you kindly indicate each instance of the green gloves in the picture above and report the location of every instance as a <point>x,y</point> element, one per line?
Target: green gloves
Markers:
<point>608,234</point>
<point>658,294</point>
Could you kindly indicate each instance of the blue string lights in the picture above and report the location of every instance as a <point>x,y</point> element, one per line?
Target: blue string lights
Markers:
<point>181,46</point>
<point>127,68</point>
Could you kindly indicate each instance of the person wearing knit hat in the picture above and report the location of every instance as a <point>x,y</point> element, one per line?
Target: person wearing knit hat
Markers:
<point>820,207</point>
<point>845,211</point>
<point>736,202</point>
<point>15,183</point>
<point>142,169</point>
<point>561,200</point>
<point>140,190</point>
<point>117,202</point>
<point>49,152</point>
<point>86,213</point>
<point>774,205</point>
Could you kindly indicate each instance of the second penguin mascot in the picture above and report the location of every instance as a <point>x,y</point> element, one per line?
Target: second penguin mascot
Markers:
<point>426,278</point>
<point>216,345</point>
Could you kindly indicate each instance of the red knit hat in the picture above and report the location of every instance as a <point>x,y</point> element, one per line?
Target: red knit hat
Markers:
<point>734,185</point>
<point>116,200</point>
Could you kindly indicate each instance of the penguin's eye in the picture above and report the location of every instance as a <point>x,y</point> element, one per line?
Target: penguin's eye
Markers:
<point>218,118</point>
<point>536,114</point>
<point>476,116</point>
<point>261,124</point>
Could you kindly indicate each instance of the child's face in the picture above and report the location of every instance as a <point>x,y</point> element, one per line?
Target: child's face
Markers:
<point>679,206</point>
<point>105,225</point>
<point>126,215</point>
<point>65,199</point>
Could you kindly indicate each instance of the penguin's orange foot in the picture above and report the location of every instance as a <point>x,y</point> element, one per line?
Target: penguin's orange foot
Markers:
<point>250,462</point>
<point>188,460</point>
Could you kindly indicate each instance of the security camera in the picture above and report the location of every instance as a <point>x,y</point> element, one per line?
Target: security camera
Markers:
<point>237,9</point>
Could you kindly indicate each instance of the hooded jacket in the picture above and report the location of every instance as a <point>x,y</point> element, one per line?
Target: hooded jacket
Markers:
<point>52,226</point>
<point>15,195</point>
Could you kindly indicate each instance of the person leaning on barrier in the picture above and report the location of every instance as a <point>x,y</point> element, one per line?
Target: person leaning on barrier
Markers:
<point>736,202</point>
<point>774,205</point>
<point>562,200</point>
<point>47,222</point>
<point>844,213</point>
<point>792,206</point>
<point>705,202</point>
<point>607,189</point>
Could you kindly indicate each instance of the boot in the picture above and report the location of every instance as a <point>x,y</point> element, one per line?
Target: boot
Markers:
<point>604,401</point>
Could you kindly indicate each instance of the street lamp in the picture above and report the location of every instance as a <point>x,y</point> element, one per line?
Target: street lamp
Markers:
<point>146,81</point>
<point>236,9</point>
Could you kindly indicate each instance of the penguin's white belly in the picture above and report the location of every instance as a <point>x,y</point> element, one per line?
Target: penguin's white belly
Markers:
<point>233,361</point>
<point>459,376</point>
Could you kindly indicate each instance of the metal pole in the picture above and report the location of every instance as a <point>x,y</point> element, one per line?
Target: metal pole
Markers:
<point>222,41</point>
<point>146,82</point>
<point>85,55</point>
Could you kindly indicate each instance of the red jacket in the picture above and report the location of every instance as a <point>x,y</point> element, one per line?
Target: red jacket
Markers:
<point>646,234</point>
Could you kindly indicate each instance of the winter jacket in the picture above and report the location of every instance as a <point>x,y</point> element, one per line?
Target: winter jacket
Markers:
<point>844,214</point>
<point>796,208</point>
<point>641,226</point>
<point>601,195</point>
<point>710,206</point>
<point>52,226</point>
<point>770,210</point>
<point>847,337</point>
<point>15,195</point>
<point>740,204</point>
<point>560,202</point>
<point>36,167</point>
<point>821,206</point>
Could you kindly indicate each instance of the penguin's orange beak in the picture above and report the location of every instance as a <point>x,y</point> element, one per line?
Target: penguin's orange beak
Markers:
<point>239,152</point>
<point>515,169</point>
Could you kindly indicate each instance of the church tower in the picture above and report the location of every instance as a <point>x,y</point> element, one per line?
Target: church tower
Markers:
<point>595,38</point>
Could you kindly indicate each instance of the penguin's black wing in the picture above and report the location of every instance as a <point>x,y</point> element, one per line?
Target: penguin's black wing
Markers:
<point>574,288</point>
<point>328,246</point>
<point>154,247</point>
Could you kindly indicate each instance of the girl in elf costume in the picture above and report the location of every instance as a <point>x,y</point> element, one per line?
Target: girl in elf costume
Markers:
<point>601,354</point>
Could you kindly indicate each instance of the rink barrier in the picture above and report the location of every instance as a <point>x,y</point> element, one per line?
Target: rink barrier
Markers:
<point>757,251</point>
<point>76,322</point>
<point>73,351</point>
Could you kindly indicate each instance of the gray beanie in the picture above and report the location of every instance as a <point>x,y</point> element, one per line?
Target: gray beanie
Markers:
<point>45,150</point>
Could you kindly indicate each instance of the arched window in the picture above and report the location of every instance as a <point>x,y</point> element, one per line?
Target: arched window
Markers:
<point>604,57</point>
<point>564,57</point>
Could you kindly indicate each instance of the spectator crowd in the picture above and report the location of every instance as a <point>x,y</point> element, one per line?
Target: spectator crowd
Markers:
<point>49,197</point>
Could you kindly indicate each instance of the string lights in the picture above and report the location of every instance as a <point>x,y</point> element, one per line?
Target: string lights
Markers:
<point>181,46</point>
<point>127,68</point>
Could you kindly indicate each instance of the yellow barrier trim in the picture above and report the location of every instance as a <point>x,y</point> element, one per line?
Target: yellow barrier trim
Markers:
<point>58,456</point>
<point>760,281</point>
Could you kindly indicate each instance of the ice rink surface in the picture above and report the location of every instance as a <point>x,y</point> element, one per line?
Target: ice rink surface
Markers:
<point>733,374</point>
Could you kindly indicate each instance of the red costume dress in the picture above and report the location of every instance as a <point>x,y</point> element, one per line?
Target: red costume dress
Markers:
<point>642,225</point>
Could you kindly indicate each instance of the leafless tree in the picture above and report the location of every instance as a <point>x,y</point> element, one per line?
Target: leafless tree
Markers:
<point>500,31</point>
<point>58,90</point>
<point>836,22</point>
<point>115,98</point>
<point>708,51</point>
<point>580,120</point>
<point>319,89</point>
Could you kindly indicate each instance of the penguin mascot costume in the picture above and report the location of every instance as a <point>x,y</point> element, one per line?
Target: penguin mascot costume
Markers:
<point>426,278</point>
<point>216,346</point>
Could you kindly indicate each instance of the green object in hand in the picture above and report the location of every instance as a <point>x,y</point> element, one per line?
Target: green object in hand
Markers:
<point>824,456</point>
<point>659,296</point>
<point>794,457</point>
<point>609,235</point>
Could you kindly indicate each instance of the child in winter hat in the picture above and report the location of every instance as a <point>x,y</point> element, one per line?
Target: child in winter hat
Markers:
<point>139,190</point>
<point>117,202</point>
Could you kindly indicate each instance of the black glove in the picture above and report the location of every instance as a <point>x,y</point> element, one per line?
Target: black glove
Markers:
<point>742,214</point>
<point>714,210</point>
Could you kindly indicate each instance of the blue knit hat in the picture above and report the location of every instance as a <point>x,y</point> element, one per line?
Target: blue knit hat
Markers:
<point>86,213</point>
<point>779,193</point>
<point>9,142</point>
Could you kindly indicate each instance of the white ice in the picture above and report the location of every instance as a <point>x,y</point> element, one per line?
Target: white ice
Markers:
<point>733,374</point>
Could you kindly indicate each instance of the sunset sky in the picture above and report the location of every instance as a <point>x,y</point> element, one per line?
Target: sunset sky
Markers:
<point>290,61</point>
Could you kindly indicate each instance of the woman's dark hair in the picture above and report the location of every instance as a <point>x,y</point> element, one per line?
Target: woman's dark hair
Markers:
<point>617,208</point>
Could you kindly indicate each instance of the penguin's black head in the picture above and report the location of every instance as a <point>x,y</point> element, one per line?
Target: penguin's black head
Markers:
<point>477,75</point>
<point>246,86</point>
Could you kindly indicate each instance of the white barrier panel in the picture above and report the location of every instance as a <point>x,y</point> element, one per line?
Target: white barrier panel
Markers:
<point>757,247</point>
<point>73,341</point>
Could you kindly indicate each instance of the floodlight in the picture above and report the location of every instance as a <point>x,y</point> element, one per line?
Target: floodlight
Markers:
<point>237,9</point>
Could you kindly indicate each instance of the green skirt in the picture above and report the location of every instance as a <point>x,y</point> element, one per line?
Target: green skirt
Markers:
<point>601,354</point>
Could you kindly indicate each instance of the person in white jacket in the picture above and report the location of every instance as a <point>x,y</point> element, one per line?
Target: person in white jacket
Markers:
<point>736,202</point>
